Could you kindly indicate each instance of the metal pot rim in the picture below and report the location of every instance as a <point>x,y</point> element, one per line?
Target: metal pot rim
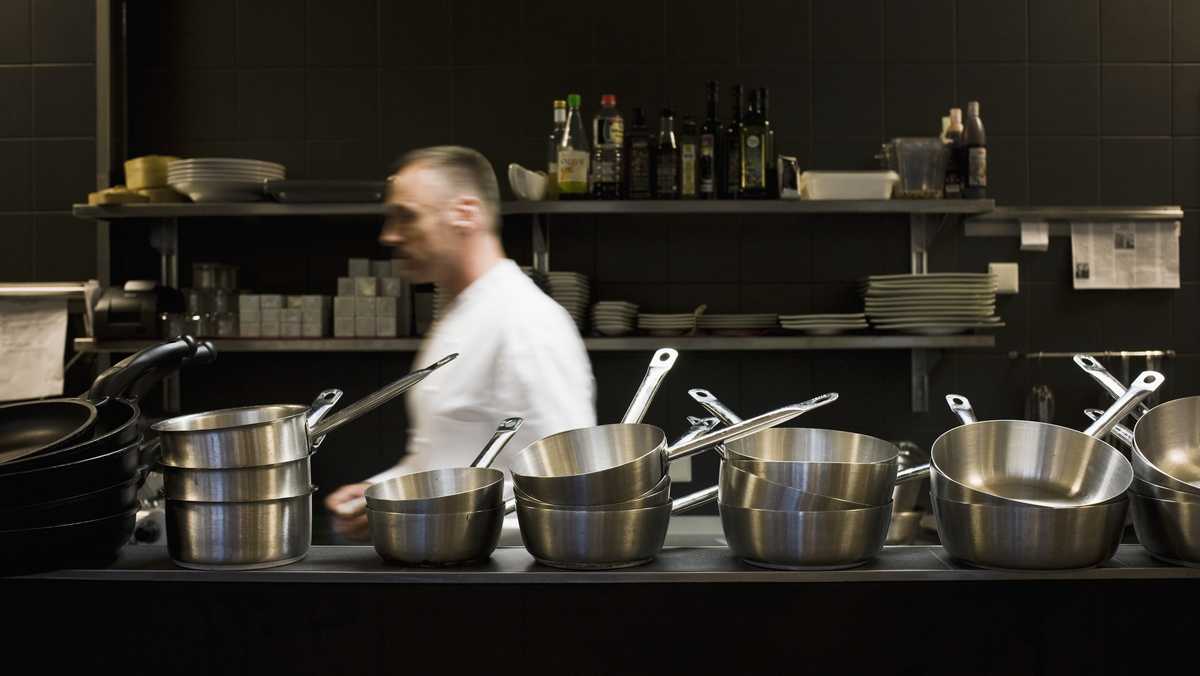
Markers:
<point>170,425</point>
<point>444,515</point>
<point>1107,504</point>
<point>658,448</point>
<point>886,505</point>
<point>309,494</point>
<point>160,465</point>
<point>536,508</point>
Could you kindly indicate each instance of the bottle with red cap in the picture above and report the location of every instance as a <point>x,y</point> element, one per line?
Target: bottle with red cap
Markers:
<point>608,161</point>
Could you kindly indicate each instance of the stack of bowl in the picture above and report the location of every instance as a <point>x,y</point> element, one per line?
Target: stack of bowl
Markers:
<point>797,499</point>
<point>442,517</point>
<point>1021,495</point>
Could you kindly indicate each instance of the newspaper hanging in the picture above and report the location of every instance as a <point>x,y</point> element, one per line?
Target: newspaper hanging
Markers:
<point>33,333</point>
<point>1125,255</point>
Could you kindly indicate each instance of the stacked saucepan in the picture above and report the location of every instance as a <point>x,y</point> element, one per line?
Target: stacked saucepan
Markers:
<point>1164,449</point>
<point>1015,494</point>
<point>70,469</point>
<point>797,498</point>
<point>442,517</point>
<point>599,497</point>
<point>238,480</point>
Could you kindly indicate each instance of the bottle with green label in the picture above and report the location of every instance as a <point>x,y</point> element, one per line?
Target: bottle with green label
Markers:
<point>753,150</point>
<point>574,154</point>
<point>689,152</point>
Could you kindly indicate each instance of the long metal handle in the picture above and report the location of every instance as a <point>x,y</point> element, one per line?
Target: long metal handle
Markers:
<point>1143,386</point>
<point>373,401</point>
<point>1108,381</point>
<point>660,365</point>
<point>698,426</point>
<point>714,406</point>
<point>510,506</point>
<point>694,500</point>
<point>504,433</point>
<point>1121,432</point>
<point>748,427</point>
<point>914,473</point>
<point>961,406</point>
<point>320,407</point>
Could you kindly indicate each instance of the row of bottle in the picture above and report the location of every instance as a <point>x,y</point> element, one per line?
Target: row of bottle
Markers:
<point>966,164</point>
<point>736,160</point>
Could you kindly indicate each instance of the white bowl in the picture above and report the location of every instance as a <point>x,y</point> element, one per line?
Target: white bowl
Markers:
<point>527,184</point>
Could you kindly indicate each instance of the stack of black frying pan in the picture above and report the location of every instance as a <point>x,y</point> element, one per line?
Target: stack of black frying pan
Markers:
<point>70,469</point>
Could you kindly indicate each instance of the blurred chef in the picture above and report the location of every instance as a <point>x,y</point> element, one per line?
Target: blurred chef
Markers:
<point>519,351</point>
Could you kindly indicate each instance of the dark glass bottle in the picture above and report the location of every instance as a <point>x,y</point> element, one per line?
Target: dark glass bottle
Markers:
<point>954,137</point>
<point>709,177</point>
<point>973,160</point>
<point>688,158</point>
<point>753,141</point>
<point>666,159</point>
<point>639,153</point>
<point>764,101</point>
<point>733,144</point>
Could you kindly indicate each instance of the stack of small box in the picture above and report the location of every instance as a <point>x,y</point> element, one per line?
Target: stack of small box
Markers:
<point>373,302</point>
<point>277,316</point>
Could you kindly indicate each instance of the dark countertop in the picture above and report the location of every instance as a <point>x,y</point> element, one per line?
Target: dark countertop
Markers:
<point>513,565</point>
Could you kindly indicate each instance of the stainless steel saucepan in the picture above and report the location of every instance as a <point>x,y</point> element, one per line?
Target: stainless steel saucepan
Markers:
<point>253,436</point>
<point>806,540</point>
<point>1168,529</point>
<point>739,488</point>
<point>239,535</point>
<point>832,463</point>
<point>614,463</point>
<point>435,539</point>
<point>1166,449</point>
<point>1030,463</point>
<point>450,490</point>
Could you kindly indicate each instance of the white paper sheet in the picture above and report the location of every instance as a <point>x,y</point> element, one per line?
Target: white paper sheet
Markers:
<point>33,334</point>
<point>1125,255</point>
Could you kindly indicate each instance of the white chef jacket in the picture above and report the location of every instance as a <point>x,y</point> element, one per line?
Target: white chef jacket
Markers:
<point>519,354</point>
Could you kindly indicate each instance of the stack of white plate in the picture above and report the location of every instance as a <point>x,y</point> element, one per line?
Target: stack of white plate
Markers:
<point>667,324</point>
<point>740,324</point>
<point>824,324</point>
<point>221,179</point>
<point>932,304</point>
<point>573,292</point>
<point>614,317</point>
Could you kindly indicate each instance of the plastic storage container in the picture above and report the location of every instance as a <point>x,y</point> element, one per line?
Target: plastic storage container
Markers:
<point>921,164</point>
<point>847,185</point>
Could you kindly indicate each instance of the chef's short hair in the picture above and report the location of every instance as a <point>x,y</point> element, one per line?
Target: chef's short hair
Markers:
<point>466,167</point>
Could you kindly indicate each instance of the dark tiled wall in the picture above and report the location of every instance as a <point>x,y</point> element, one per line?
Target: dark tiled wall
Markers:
<point>1086,102</point>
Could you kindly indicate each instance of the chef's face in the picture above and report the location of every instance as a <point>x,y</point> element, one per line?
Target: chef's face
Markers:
<point>419,224</point>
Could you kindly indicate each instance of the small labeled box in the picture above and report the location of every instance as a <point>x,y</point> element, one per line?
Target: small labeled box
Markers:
<point>273,314</point>
<point>270,301</point>
<point>364,307</point>
<point>343,306</point>
<point>385,327</point>
<point>343,327</point>
<point>359,267</point>
<point>366,286</point>
<point>391,287</point>
<point>290,315</point>
<point>385,307</point>
<point>250,329</point>
<point>293,300</point>
<point>270,329</point>
<point>248,305</point>
<point>314,304</point>
<point>364,326</point>
<point>381,268</point>
<point>345,286</point>
<point>289,329</point>
<point>312,329</point>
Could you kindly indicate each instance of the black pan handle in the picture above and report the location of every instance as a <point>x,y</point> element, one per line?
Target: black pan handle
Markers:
<point>205,353</point>
<point>158,360</point>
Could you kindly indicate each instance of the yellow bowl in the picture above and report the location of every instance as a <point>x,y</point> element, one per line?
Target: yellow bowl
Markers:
<point>149,171</point>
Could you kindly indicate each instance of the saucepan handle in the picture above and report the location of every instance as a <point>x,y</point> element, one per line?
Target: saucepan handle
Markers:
<point>914,473</point>
<point>961,406</point>
<point>660,365</point>
<point>714,406</point>
<point>1143,386</point>
<point>748,427</point>
<point>510,506</point>
<point>504,433</point>
<point>1106,380</point>
<point>694,500</point>
<point>1121,432</point>
<point>373,401</point>
<point>320,407</point>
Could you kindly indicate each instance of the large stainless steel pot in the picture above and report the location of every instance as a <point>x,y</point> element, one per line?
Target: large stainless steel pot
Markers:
<point>449,490</point>
<point>252,436</point>
<point>805,540</point>
<point>1030,463</point>
<point>241,484</point>
<point>1169,530</point>
<point>435,539</point>
<point>239,535</point>
<point>840,465</point>
<point>739,488</point>
<point>601,539</point>
<point>1124,435</point>
<point>1166,449</point>
<point>615,463</point>
<point>1027,537</point>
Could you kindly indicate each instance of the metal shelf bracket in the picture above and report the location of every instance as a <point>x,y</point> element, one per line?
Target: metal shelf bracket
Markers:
<point>923,363</point>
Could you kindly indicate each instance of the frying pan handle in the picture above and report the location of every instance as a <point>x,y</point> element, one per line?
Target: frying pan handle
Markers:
<point>373,401</point>
<point>122,376</point>
<point>961,406</point>
<point>748,427</point>
<point>504,433</point>
<point>914,473</point>
<point>713,405</point>
<point>1108,381</point>
<point>694,500</point>
<point>660,365</point>
<point>1121,432</point>
<point>1143,386</point>
<point>206,353</point>
<point>319,408</point>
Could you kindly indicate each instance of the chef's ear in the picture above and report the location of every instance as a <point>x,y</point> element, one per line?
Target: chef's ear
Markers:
<point>466,214</point>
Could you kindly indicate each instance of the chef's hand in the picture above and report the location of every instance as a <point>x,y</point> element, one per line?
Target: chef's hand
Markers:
<point>348,507</point>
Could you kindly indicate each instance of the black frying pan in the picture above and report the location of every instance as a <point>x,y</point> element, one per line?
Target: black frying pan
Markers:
<point>46,484</point>
<point>31,549</point>
<point>27,430</point>
<point>103,502</point>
